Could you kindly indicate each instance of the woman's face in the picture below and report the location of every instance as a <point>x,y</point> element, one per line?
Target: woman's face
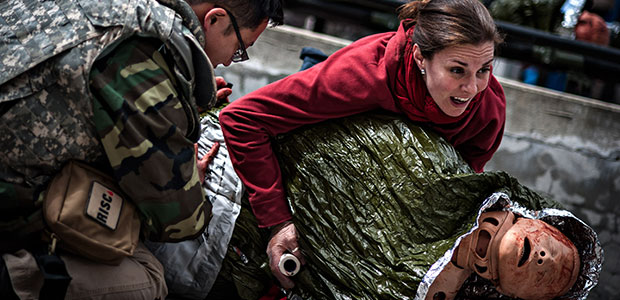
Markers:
<point>456,74</point>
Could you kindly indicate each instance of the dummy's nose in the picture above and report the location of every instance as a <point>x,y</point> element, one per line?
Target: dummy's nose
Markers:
<point>541,257</point>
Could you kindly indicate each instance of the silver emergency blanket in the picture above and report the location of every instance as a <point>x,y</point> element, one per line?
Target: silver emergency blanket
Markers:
<point>582,235</point>
<point>192,266</point>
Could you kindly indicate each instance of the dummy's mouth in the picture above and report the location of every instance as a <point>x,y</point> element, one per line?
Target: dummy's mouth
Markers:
<point>459,100</point>
<point>525,255</point>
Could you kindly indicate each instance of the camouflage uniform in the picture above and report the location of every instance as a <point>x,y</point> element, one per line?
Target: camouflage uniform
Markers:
<point>113,83</point>
<point>48,51</point>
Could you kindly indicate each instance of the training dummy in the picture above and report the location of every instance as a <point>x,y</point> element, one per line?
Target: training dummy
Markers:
<point>381,205</point>
<point>524,258</point>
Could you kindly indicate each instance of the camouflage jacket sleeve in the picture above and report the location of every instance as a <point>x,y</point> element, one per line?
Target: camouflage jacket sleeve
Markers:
<point>144,125</point>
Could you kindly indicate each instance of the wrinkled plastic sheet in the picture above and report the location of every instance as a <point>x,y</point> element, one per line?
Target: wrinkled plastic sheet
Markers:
<point>377,202</point>
<point>191,266</point>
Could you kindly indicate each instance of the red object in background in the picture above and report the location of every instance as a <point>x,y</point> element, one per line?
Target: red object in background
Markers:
<point>274,293</point>
<point>592,28</point>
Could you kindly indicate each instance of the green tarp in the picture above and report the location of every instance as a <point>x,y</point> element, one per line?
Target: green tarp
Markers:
<point>376,201</point>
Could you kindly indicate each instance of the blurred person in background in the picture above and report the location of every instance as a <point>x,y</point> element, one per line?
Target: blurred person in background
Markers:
<point>580,20</point>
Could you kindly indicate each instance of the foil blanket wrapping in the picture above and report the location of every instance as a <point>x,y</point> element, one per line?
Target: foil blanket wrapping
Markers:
<point>192,266</point>
<point>585,239</point>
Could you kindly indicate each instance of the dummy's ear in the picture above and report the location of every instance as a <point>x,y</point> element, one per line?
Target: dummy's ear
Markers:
<point>417,56</point>
<point>214,18</point>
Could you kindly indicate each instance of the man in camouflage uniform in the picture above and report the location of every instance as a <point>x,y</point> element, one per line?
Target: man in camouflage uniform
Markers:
<point>116,84</point>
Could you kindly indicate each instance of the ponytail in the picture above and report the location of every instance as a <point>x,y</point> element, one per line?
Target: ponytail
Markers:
<point>409,12</point>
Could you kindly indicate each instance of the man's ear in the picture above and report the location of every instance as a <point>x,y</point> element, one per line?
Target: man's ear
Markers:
<point>417,56</point>
<point>214,18</point>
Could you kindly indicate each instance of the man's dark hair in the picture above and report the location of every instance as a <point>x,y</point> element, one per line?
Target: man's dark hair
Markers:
<point>250,13</point>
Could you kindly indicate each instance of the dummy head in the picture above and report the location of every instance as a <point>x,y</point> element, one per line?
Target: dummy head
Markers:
<point>524,258</point>
<point>536,261</point>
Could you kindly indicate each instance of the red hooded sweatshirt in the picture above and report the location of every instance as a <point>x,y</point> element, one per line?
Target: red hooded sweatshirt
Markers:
<point>375,72</point>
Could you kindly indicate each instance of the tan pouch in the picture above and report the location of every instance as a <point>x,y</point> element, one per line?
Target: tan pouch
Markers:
<point>85,210</point>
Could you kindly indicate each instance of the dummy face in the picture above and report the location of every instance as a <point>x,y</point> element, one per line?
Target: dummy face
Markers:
<point>536,261</point>
<point>456,74</point>
<point>220,44</point>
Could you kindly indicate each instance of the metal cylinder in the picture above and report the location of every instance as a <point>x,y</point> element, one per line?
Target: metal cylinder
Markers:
<point>289,264</point>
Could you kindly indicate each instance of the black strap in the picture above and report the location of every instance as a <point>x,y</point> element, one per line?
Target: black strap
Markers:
<point>56,278</point>
<point>6,287</point>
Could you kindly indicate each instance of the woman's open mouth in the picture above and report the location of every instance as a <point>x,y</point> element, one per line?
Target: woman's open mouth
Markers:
<point>459,101</point>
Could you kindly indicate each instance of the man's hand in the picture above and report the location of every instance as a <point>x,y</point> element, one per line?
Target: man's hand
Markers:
<point>203,162</point>
<point>223,89</point>
<point>283,239</point>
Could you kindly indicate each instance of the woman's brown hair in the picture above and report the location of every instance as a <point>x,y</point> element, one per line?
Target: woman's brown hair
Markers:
<point>443,23</point>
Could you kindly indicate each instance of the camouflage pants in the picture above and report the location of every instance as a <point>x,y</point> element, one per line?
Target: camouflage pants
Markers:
<point>140,276</point>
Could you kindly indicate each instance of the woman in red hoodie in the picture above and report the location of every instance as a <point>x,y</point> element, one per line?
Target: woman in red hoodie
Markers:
<point>436,69</point>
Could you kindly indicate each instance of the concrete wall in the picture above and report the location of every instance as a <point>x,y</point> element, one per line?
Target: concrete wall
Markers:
<point>568,147</point>
<point>565,146</point>
<point>274,56</point>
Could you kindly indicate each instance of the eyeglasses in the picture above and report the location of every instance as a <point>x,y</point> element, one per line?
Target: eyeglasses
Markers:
<point>241,54</point>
